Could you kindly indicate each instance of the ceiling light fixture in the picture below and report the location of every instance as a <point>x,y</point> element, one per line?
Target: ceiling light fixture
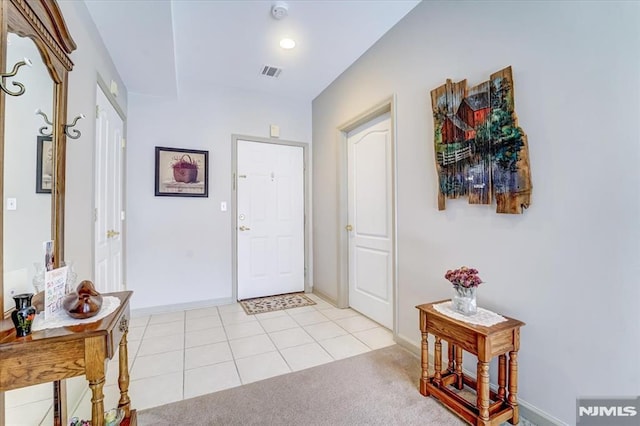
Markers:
<point>287,43</point>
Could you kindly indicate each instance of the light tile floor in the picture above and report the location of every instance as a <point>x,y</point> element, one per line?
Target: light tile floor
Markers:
<point>185,354</point>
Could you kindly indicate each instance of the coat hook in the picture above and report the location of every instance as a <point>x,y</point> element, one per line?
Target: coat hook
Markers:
<point>43,129</point>
<point>25,61</point>
<point>70,131</point>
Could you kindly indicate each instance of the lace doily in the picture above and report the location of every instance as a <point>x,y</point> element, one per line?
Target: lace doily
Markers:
<point>61,319</point>
<point>483,317</point>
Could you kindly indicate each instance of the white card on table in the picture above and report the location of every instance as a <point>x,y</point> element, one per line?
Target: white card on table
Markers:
<point>55,283</point>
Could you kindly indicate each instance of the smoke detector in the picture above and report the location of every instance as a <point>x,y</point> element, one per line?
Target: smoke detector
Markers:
<point>280,10</point>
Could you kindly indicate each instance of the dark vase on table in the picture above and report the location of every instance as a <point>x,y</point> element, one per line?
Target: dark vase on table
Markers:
<point>24,314</point>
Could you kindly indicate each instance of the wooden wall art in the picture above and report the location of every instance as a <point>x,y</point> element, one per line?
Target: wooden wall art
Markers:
<point>480,150</point>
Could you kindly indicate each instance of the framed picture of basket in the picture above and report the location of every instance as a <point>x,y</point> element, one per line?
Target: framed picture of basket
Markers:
<point>44,165</point>
<point>182,172</point>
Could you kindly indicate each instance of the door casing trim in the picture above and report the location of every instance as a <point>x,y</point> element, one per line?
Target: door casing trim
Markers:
<point>387,105</point>
<point>123,232</point>
<point>234,206</point>
<point>102,85</point>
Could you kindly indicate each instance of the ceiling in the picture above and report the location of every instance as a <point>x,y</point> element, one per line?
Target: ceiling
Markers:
<point>166,47</point>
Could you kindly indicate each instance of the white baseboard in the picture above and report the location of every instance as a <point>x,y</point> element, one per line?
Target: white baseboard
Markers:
<point>164,309</point>
<point>538,417</point>
<point>530,414</point>
<point>401,341</point>
<point>323,296</point>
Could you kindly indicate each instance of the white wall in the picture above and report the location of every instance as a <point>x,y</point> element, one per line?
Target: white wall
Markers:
<point>91,61</point>
<point>179,248</point>
<point>568,266</point>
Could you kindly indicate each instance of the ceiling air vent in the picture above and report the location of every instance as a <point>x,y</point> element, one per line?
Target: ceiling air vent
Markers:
<point>270,71</point>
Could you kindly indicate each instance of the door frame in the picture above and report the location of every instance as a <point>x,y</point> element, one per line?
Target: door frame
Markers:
<point>234,206</point>
<point>387,105</point>
<point>123,234</point>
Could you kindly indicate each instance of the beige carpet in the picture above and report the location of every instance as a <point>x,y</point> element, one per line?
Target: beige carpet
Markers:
<point>376,388</point>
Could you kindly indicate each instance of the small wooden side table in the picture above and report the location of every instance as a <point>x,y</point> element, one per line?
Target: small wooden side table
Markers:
<point>491,408</point>
<point>60,353</point>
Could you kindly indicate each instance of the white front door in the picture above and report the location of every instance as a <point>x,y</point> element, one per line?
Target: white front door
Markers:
<point>109,215</point>
<point>270,219</point>
<point>370,208</point>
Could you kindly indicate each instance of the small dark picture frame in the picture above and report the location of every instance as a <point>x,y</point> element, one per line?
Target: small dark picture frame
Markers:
<point>44,165</point>
<point>181,172</point>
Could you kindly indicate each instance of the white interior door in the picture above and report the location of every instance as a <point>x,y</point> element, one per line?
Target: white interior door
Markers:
<point>270,221</point>
<point>109,214</point>
<point>370,207</point>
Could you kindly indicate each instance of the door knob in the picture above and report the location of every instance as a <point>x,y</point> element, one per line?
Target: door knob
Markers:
<point>244,228</point>
<point>111,233</point>
<point>349,228</point>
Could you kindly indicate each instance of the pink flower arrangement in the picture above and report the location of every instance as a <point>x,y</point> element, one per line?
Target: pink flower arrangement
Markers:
<point>464,277</point>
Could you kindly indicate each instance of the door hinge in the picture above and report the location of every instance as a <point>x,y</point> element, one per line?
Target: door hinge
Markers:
<point>97,111</point>
<point>122,215</point>
<point>95,215</point>
<point>123,142</point>
<point>233,180</point>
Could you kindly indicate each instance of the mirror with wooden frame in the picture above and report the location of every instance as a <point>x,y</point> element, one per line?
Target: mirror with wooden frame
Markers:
<point>34,58</point>
<point>27,213</point>
<point>33,112</point>
<point>35,45</point>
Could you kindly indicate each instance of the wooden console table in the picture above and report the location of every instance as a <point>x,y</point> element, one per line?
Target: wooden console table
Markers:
<point>61,353</point>
<point>491,408</point>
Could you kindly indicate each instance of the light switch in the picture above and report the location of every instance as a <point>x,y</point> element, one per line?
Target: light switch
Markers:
<point>274,131</point>
<point>223,206</point>
<point>12,204</point>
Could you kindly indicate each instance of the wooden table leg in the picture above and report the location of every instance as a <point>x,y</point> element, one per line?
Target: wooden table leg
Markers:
<point>502,376</point>
<point>425,365</point>
<point>437,360</point>
<point>513,387</point>
<point>1,408</point>
<point>94,357</point>
<point>123,377</point>
<point>459,382</point>
<point>450,351</point>
<point>59,403</point>
<point>483,392</point>
<point>97,402</point>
